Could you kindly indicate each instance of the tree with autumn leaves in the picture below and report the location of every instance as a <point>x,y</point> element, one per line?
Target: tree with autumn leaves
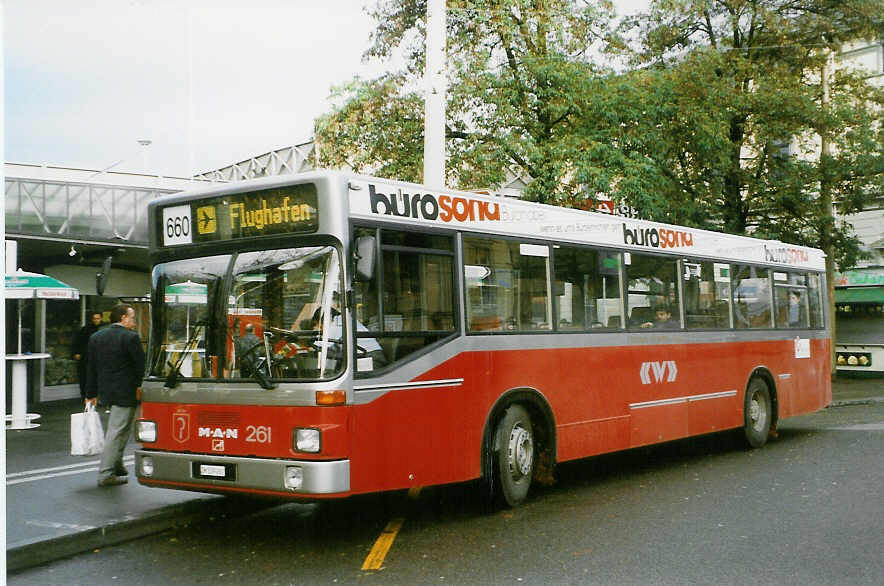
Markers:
<point>712,119</point>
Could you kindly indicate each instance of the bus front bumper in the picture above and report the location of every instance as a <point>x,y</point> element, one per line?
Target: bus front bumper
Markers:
<point>236,474</point>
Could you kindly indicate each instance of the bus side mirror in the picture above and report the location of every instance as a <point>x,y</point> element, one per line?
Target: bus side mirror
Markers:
<point>364,255</point>
<point>102,277</point>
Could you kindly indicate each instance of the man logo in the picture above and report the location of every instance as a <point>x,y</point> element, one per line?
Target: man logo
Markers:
<point>181,427</point>
<point>205,220</point>
<point>660,372</point>
<point>217,445</point>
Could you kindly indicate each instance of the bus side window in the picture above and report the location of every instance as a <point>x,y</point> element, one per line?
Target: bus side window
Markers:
<point>409,304</point>
<point>365,290</point>
<point>790,296</point>
<point>651,286</point>
<point>507,284</point>
<point>706,294</point>
<point>751,297</point>
<point>587,289</point>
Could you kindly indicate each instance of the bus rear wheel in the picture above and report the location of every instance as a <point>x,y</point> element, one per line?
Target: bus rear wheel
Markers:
<point>514,456</point>
<point>757,413</point>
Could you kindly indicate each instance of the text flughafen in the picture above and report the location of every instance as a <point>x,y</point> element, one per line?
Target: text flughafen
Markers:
<point>240,217</point>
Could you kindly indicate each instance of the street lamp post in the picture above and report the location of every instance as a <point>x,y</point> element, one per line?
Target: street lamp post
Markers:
<point>434,97</point>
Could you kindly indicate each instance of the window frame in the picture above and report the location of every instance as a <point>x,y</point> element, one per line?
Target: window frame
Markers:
<point>804,306</point>
<point>729,300</point>
<point>549,283</point>
<point>598,250</point>
<point>378,290</point>
<point>679,315</point>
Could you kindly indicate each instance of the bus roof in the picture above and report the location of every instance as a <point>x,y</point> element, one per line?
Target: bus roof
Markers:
<point>410,204</point>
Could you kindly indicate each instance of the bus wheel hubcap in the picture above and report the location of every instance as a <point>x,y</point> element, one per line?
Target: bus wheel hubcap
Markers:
<point>756,413</point>
<point>520,453</point>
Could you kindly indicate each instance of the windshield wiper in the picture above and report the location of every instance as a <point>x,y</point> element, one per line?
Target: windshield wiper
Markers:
<point>189,347</point>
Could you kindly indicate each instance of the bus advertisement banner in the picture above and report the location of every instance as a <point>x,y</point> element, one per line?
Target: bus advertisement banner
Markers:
<point>375,200</point>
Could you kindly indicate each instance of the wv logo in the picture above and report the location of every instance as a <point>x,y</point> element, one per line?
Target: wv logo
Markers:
<point>665,370</point>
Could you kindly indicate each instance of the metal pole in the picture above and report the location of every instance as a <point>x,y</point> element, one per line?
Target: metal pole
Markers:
<point>434,100</point>
<point>2,324</point>
<point>826,204</point>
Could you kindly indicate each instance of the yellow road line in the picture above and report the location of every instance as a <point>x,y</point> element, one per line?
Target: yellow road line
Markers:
<point>378,552</point>
<point>376,556</point>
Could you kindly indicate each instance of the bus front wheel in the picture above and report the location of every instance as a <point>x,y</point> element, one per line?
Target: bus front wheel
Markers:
<point>757,413</point>
<point>514,456</point>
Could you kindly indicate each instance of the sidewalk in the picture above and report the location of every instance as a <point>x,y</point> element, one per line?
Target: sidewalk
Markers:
<point>55,509</point>
<point>856,390</point>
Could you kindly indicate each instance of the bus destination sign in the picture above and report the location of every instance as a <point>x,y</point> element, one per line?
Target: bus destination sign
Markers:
<point>269,212</point>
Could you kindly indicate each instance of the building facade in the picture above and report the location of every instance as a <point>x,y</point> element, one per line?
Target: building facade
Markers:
<point>71,224</point>
<point>859,293</point>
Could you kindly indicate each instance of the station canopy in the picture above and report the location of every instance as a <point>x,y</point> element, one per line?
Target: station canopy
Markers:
<point>859,295</point>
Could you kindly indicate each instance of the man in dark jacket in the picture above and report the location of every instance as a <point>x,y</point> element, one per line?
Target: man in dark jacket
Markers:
<point>248,351</point>
<point>115,369</point>
<point>80,347</point>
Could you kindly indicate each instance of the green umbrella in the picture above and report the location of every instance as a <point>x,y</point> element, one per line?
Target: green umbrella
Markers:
<point>24,285</point>
<point>186,293</point>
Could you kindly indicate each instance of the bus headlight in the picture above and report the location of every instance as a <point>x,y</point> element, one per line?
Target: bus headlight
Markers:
<point>294,477</point>
<point>147,466</point>
<point>146,431</point>
<point>306,440</point>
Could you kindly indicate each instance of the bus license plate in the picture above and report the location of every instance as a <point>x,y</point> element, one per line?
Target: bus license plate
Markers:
<point>212,470</point>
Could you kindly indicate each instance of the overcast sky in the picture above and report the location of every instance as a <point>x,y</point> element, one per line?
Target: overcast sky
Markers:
<point>209,82</point>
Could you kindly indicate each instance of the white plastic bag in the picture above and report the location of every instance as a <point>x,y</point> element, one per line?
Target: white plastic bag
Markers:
<point>87,434</point>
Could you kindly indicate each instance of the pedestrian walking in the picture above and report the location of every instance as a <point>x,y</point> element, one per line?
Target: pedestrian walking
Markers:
<point>115,370</point>
<point>80,348</point>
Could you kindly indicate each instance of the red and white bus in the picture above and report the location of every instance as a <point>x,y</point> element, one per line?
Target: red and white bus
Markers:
<point>323,335</point>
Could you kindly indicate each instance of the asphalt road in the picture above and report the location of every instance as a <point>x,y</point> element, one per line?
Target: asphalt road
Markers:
<point>807,508</point>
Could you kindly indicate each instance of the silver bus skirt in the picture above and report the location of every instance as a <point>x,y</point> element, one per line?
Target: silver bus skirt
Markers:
<point>297,477</point>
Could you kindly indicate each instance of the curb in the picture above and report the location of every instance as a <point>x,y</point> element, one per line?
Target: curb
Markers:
<point>42,551</point>
<point>848,402</point>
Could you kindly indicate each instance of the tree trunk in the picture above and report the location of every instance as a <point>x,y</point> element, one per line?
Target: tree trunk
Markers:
<point>734,206</point>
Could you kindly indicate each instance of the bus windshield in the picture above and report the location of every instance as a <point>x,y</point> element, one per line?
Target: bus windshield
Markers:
<point>266,315</point>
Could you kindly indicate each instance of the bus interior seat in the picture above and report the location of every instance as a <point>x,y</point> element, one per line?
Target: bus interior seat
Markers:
<point>761,319</point>
<point>488,323</point>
